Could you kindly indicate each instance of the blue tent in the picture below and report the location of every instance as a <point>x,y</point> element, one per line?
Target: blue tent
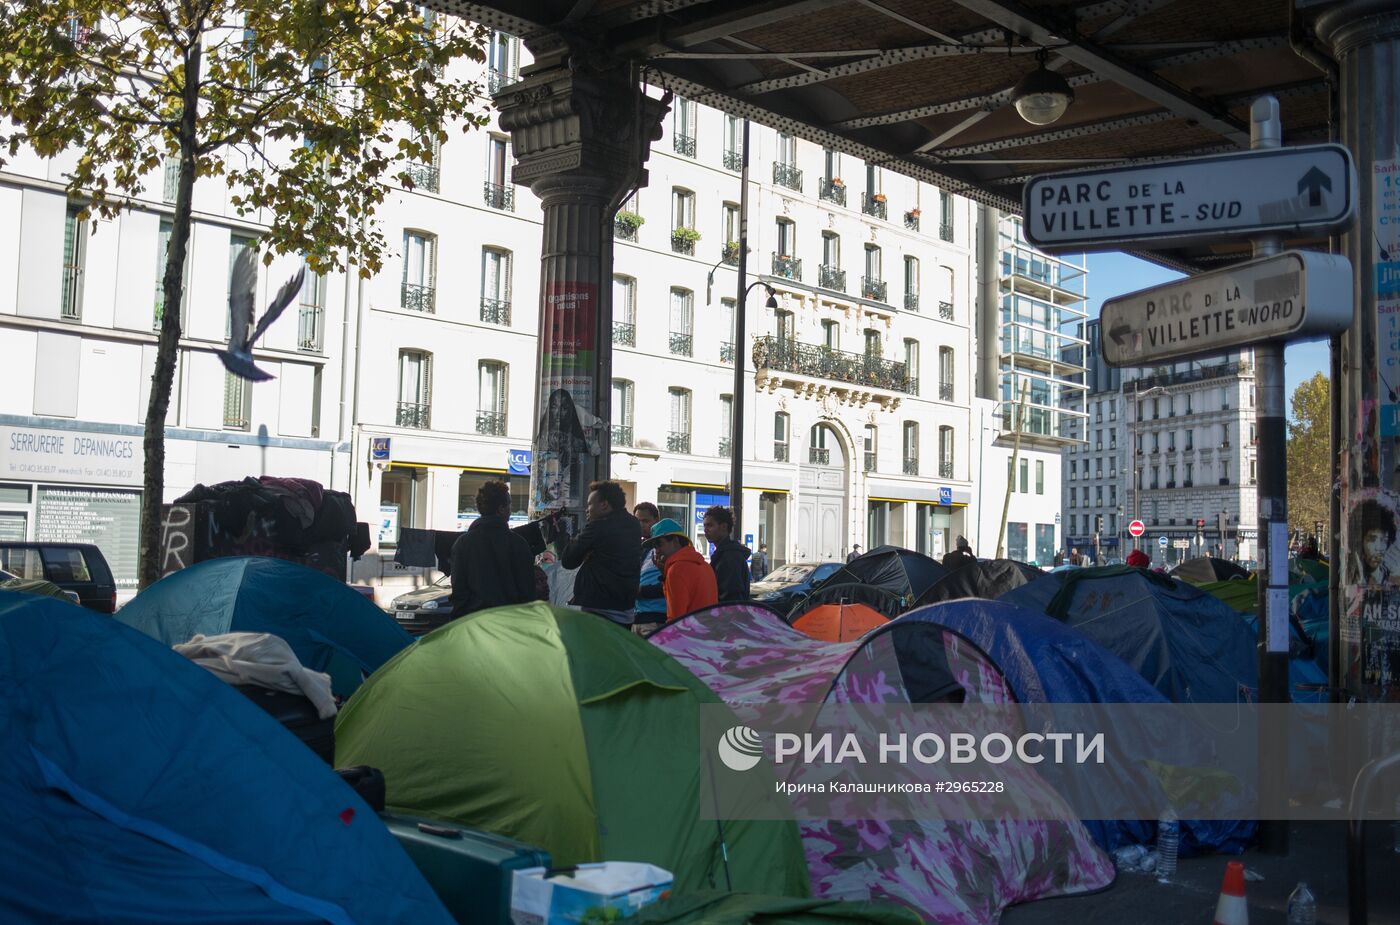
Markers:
<point>1188,644</point>
<point>1045,661</point>
<point>330,627</point>
<point>141,789</point>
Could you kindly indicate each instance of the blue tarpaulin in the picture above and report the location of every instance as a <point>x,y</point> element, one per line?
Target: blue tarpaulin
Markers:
<point>141,789</point>
<point>329,626</point>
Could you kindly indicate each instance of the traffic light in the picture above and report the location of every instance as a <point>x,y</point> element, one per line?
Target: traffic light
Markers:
<point>1098,524</point>
<point>1200,523</point>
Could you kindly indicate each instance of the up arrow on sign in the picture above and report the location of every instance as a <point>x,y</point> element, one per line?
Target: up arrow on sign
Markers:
<point>1313,183</point>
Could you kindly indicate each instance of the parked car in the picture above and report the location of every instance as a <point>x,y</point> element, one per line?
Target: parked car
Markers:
<point>782,587</point>
<point>423,610</point>
<point>79,568</point>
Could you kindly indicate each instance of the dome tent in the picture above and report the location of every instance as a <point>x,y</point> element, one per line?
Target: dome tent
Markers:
<point>329,626</point>
<point>902,572</point>
<point>950,871</point>
<point>985,578</point>
<point>839,622</point>
<point>560,729</point>
<point>141,789</point>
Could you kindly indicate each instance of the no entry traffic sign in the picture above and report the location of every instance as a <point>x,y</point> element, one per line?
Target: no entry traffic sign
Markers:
<point>1136,528</point>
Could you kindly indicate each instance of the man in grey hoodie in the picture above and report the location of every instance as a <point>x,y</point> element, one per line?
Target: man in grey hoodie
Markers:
<point>730,559</point>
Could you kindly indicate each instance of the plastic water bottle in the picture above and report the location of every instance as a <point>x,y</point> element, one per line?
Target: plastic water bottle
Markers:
<point>1168,837</point>
<point>1302,906</point>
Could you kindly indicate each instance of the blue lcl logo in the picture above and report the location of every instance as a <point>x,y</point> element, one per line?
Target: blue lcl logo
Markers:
<point>518,461</point>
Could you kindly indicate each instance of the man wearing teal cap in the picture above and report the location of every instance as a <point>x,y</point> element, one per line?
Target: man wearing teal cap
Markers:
<point>687,577</point>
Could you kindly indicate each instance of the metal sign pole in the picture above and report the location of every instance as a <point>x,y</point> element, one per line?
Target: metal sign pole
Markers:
<point>1265,132</point>
<point>736,404</point>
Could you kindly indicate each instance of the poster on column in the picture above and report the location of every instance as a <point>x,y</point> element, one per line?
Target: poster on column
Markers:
<point>1385,246</point>
<point>569,429</point>
<point>1370,624</point>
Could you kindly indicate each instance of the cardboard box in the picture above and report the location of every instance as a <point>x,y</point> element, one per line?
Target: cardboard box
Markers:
<point>590,894</point>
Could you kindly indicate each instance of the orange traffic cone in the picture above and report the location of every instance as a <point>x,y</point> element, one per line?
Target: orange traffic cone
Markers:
<point>1231,909</point>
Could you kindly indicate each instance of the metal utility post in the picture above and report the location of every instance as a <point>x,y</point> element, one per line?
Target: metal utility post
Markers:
<point>736,415</point>
<point>1266,130</point>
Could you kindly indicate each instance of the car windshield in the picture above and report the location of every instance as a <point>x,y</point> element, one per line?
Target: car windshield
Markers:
<point>444,582</point>
<point>790,573</point>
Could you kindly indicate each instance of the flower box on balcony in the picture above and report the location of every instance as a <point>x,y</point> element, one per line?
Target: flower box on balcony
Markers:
<point>630,220</point>
<point>838,182</point>
<point>915,212</point>
<point>879,197</point>
<point>686,235</point>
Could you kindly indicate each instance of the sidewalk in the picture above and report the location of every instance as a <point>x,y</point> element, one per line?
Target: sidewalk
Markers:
<point>1317,854</point>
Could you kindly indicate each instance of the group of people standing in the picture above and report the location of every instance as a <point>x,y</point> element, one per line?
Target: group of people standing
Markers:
<point>636,568</point>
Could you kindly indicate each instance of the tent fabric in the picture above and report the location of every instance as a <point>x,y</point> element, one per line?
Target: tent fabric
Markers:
<point>711,908</point>
<point>902,572</point>
<point>984,578</point>
<point>140,789</point>
<point>949,871</point>
<point>1209,568</point>
<point>1045,661</point>
<point>36,586</point>
<point>883,602</point>
<point>562,730</point>
<point>331,628</point>
<point>1184,642</point>
<point>839,622</point>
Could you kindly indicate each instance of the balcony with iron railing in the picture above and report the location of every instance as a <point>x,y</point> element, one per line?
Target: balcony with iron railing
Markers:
<point>911,465</point>
<point>624,335</point>
<point>622,435</point>
<point>730,254</point>
<point>945,470</point>
<point>724,447</point>
<point>492,423</point>
<point>69,309</point>
<point>787,267</point>
<point>683,145</point>
<point>945,231</point>
<point>1198,372</point>
<point>780,452</point>
<point>625,231</point>
<point>171,187</point>
<point>874,205</point>
<point>309,321</point>
<point>423,176</point>
<point>829,277</point>
<point>945,391</point>
<point>499,196</point>
<point>832,191</point>
<point>945,311</point>
<point>911,220</point>
<point>683,241</point>
<point>874,289</point>
<point>733,160</point>
<point>726,352</point>
<point>497,81</point>
<point>678,442</point>
<point>818,455</point>
<point>495,311</point>
<point>417,298</point>
<point>870,461</point>
<point>413,414</point>
<point>787,175</point>
<point>781,355</point>
<point>911,301</point>
<point>682,344</point>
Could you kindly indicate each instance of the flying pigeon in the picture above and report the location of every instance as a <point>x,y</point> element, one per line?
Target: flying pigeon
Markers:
<point>238,358</point>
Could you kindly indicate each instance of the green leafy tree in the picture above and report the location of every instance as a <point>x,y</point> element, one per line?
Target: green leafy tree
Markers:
<point>306,109</point>
<point>1310,455</point>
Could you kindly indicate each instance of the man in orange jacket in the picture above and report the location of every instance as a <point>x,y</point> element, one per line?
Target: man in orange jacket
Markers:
<point>687,577</point>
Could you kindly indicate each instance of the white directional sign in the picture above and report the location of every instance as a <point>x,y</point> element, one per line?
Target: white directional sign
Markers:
<point>1296,294</point>
<point>1310,188</point>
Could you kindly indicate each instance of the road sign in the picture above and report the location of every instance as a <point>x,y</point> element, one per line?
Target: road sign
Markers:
<point>1181,544</point>
<point>1302,189</point>
<point>1136,528</point>
<point>1292,295</point>
<point>1162,541</point>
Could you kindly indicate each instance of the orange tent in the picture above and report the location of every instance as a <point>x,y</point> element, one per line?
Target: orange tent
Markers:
<point>839,622</point>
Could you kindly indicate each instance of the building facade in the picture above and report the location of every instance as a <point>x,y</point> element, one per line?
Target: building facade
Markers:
<point>1095,473</point>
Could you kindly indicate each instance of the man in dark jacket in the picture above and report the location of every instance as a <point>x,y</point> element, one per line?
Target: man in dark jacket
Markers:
<point>730,560</point>
<point>608,554</point>
<point>491,566</point>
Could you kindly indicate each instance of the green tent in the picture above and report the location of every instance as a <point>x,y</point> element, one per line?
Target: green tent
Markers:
<point>560,729</point>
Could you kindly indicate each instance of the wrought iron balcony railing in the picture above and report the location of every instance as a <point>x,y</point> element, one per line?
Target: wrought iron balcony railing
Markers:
<point>625,231</point>
<point>819,455</point>
<point>945,391</point>
<point>424,176</point>
<point>911,465</point>
<point>911,301</point>
<point>495,311</point>
<point>678,442</point>
<point>413,414</point>
<point>780,452</point>
<point>945,231</point>
<point>498,196</point>
<point>871,205</point>
<point>682,242</point>
<point>497,81</point>
<point>875,289</point>
<point>870,462</point>
<point>730,254</point>
<point>69,309</point>
<point>416,298</point>
<point>774,353</point>
<point>945,470</point>
<point>832,191</point>
<point>733,160</point>
<point>684,145</point>
<point>491,422</point>
<point>787,175</point>
<point>622,435</point>
<point>682,344</point>
<point>829,277</point>
<point>726,352</point>
<point>309,318</point>
<point>911,221</point>
<point>624,335</point>
<point>945,311</point>
<point>787,267</point>
<point>724,447</point>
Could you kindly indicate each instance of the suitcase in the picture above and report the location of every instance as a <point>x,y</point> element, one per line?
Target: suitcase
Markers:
<point>299,715</point>
<point>471,871</point>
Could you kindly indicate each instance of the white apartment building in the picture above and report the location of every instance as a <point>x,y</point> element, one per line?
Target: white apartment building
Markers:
<point>1095,465</point>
